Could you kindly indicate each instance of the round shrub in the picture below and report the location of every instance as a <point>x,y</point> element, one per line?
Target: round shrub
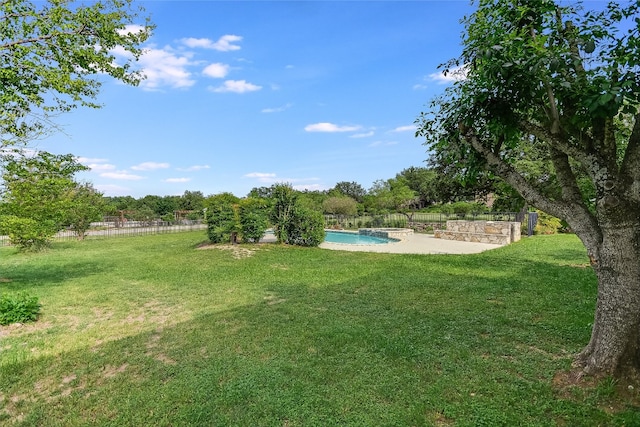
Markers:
<point>254,219</point>
<point>305,228</point>
<point>221,223</point>
<point>26,233</point>
<point>547,224</point>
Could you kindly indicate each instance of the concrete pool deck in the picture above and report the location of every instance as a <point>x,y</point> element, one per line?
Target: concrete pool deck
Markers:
<point>416,244</point>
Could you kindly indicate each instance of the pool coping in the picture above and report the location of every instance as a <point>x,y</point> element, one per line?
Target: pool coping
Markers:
<point>417,243</point>
<point>358,232</point>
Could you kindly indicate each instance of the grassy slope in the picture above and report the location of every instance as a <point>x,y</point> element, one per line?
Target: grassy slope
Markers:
<point>151,331</point>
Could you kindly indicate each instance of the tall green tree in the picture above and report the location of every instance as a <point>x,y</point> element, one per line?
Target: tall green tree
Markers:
<point>395,195</point>
<point>119,203</point>
<point>84,205</point>
<point>151,205</point>
<point>557,79</point>
<point>192,201</point>
<point>423,181</point>
<point>37,195</point>
<point>293,220</point>
<point>223,222</point>
<point>340,205</point>
<point>351,189</point>
<point>260,192</point>
<point>254,218</point>
<point>312,199</point>
<point>283,202</point>
<point>53,54</point>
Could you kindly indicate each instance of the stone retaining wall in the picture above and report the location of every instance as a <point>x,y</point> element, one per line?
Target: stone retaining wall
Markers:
<point>494,232</point>
<point>387,233</point>
<point>425,227</point>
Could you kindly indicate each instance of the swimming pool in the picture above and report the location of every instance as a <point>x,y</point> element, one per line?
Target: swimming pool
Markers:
<point>355,238</point>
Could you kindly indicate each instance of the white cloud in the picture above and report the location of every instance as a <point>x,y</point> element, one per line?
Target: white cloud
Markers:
<point>217,70</point>
<point>310,187</point>
<point>113,190</point>
<point>98,167</point>
<point>262,177</point>
<point>194,168</point>
<point>409,128</point>
<point>363,135</point>
<point>383,143</point>
<point>177,180</point>
<point>147,166</point>
<point>277,109</point>
<point>131,29</point>
<point>236,86</point>
<point>330,127</point>
<point>224,43</point>
<point>96,164</point>
<point>454,75</point>
<point>194,42</point>
<point>124,175</point>
<point>86,160</point>
<point>168,67</point>
<point>301,183</point>
<point>163,67</point>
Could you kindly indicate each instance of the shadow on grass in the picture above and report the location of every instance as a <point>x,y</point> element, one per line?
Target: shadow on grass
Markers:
<point>418,341</point>
<point>26,276</point>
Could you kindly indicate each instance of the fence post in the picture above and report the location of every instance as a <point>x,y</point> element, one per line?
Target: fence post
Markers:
<point>531,222</point>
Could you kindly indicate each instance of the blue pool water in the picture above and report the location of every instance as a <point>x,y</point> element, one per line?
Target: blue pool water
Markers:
<point>354,238</point>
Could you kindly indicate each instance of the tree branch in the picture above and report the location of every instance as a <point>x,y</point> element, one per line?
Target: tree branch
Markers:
<point>570,190</point>
<point>554,116</point>
<point>599,168</point>
<point>574,210</point>
<point>575,51</point>
<point>45,37</point>
<point>630,168</point>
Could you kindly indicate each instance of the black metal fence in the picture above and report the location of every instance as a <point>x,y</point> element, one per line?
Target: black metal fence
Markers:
<point>420,221</point>
<point>108,229</point>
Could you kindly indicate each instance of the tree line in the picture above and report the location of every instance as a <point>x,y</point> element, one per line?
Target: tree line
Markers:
<point>40,196</point>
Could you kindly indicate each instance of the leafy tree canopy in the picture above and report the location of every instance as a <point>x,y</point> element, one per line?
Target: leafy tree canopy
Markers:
<point>39,195</point>
<point>393,194</point>
<point>340,205</point>
<point>549,102</point>
<point>53,54</point>
<point>351,189</point>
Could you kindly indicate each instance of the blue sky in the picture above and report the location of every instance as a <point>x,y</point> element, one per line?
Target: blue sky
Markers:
<point>243,94</point>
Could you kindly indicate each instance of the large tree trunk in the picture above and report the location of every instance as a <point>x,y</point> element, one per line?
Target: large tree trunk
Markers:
<point>614,348</point>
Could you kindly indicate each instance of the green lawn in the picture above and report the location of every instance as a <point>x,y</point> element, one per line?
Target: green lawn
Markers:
<point>153,331</point>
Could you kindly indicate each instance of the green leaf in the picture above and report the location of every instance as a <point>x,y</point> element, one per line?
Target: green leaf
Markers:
<point>589,46</point>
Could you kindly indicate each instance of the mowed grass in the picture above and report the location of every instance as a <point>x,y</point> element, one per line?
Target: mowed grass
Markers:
<point>154,331</point>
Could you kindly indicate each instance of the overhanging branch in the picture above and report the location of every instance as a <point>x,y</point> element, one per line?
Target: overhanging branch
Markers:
<point>573,209</point>
<point>599,168</point>
<point>570,190</point>
<point>630,168</point>
<point>42,38</point>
